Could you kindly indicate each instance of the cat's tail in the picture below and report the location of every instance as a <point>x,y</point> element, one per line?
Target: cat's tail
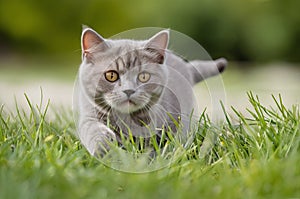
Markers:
<point>203,69</point>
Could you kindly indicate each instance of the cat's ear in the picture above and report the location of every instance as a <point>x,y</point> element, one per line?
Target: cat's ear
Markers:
<point>91,41</point>
<point>159,42</point>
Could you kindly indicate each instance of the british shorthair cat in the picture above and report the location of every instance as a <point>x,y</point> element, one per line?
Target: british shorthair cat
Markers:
<point>136,87</point>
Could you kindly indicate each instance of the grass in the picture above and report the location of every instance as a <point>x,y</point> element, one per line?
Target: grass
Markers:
<point>255,157</point>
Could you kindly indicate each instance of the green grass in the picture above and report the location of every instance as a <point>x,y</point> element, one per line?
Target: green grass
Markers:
<point>255,157</point>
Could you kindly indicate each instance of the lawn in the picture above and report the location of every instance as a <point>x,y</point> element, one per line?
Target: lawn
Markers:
<point>253,157</point>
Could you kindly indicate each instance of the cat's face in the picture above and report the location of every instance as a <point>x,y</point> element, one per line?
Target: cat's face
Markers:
<point>132,82</point>
<point>124,75</point>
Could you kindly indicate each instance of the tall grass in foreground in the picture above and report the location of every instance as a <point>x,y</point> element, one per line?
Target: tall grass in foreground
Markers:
<point>256,157</point>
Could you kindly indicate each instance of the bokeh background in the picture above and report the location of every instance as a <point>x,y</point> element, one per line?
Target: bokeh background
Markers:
<point>40,42</point>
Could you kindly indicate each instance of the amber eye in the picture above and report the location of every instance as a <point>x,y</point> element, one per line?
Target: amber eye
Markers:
<point>144,77</point>
<point>111,76</point>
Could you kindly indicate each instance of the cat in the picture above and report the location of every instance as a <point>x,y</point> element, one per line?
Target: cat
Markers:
<point>129,86</point>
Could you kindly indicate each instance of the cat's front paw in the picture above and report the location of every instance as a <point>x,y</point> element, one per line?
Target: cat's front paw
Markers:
<point>103,142</point>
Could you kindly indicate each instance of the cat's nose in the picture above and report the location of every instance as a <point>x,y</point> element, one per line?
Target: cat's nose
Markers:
<point>129,92</point>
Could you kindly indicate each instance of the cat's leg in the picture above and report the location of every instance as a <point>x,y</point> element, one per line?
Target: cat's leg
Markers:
<point>203,69</point>
<point>96,137</point>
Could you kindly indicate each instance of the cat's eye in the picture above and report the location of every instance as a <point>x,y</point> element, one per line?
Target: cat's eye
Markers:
<point>144,77</point>
<point>111,76</point>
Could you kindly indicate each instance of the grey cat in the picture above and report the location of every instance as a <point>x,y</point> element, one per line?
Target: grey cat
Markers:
<point>138,87</point>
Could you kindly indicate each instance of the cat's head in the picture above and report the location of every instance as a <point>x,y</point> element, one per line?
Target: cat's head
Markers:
<point>124,75</point>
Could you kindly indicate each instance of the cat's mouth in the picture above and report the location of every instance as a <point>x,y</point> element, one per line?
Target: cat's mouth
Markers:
<point>128,102</point>
<point>127,106</point>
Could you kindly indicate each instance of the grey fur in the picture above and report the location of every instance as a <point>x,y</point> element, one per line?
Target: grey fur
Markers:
<point>168,91</point>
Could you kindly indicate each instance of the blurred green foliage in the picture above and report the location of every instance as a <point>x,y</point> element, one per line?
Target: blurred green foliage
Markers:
<point>246,30</point>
